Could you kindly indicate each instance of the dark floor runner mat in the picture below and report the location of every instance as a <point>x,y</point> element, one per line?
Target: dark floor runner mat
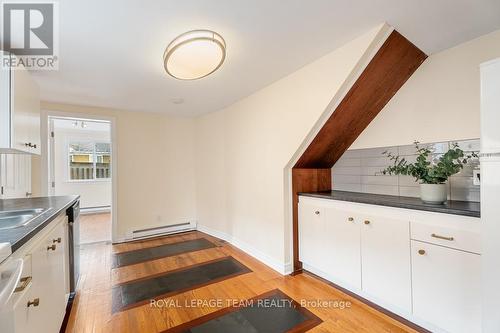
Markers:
<point>272,312</point>
<point>162,251</point>
<point>142,291</point>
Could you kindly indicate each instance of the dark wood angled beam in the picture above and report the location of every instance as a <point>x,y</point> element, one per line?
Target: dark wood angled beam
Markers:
<point>386,73</point>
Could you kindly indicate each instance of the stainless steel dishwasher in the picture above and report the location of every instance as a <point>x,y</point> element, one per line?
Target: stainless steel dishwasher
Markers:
<point>73,213</point>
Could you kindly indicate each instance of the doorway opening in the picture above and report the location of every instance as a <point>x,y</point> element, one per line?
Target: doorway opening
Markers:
<point>80,162</point>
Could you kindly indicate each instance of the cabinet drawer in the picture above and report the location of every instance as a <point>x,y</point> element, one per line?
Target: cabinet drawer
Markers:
<point>461,239</point>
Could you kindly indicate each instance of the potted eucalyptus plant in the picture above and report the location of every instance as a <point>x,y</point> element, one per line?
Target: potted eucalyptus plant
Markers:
<point>432,174</point>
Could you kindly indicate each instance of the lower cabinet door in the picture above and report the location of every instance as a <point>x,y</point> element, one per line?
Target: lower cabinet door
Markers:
<point>446,287</point>
<point>311,231</point>
<point>342,253</point>
<point>385,253</point>
<point>28,314</point>
<point>48,279</point>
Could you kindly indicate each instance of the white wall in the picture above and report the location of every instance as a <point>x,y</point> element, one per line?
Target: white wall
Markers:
<point>440,101</point>
<point>242,152</point>
<point>155,162</point>
<point>92,193</point>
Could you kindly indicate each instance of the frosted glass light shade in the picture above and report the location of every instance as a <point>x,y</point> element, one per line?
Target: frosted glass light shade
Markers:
<point>194,54</point>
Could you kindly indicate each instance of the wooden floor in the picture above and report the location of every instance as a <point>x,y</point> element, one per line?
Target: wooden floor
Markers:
<point>91,311</point>
<point>95,228</point>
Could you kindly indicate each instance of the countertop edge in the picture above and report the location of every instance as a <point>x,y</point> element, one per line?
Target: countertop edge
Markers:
<point>421,207</point>
<point>26,238</point>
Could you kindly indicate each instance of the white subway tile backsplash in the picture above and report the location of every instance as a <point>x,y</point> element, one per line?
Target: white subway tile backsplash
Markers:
<point>469,145</point>
<point>377,152</point>
<point>346,179</point>
<point>360,171</point>
<point>436,148</point>
<point>463,194</point>
<point>380,180</point>
<point>407,181</point>
<point>409,191</point>
<point>463,183</point>
<point>371,171</point>
<point>380,189</point>
<point>354,153</point>
<point>346,170</point>
<point>348,162</point>
<point>381,162</point>
<point>347,187</point>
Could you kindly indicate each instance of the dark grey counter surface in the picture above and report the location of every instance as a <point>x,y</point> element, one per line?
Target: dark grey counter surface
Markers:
<point>464,208</point>
<point>19,236</point>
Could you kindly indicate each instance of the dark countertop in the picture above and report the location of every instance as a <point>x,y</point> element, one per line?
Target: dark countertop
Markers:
<point>464,208</point>
<point>19,236</point>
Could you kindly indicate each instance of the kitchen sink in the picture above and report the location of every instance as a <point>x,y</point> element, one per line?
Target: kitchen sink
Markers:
<point>11,219</point>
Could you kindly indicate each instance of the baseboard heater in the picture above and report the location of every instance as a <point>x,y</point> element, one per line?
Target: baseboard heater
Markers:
<point>163,230</point>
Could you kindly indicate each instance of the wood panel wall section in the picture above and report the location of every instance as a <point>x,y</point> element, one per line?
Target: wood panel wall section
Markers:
<point>306,180</point>
<point>389,69</point>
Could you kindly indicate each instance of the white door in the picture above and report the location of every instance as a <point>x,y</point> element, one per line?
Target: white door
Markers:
<point>385,253</point>
<point>15,175</point>
<point>341,256</point>
<point>311,231</point>
<point>446,287</point>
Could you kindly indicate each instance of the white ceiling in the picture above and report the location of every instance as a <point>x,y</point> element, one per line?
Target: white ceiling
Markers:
<point>111,51</point>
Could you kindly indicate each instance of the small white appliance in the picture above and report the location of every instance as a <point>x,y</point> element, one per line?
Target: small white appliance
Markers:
<point>490,194</point>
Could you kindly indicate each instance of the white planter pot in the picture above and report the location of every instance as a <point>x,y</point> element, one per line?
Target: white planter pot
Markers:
<point>434,193</point>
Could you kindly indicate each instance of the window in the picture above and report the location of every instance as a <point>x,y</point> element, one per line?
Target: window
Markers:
<point>89,160</point>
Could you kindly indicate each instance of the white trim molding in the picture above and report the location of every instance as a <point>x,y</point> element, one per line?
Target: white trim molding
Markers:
<point>278,266</point>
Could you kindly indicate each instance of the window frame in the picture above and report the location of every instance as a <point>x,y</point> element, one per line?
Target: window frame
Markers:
<point>71,141</point>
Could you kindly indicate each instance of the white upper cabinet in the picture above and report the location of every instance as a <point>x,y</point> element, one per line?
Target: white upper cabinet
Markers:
<point>490,106</point>
<point>19,110</point>
<point>15,176</point>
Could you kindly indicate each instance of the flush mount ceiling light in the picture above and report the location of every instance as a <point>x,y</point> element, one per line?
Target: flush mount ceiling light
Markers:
<point>194,54</point>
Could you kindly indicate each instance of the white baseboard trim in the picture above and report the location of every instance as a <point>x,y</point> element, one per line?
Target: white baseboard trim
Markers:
<point>94,210</point>
<point>278,266</point>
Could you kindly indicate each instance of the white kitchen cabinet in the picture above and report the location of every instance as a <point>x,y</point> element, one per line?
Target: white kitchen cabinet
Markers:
<point>342,252</point>
<point>19,111</point>
<point>48,266</point>
<point>385,258</point>
<point>373,251</point>
<point>312,224</point>
<point>47,289</point>
<point>446,287</point>
<point>15,175</point>
<point>28,318</point>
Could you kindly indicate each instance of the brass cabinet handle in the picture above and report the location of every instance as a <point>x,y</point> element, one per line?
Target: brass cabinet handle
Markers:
<point>25,281</point>
<point>350,219</point>
<point>367,222</point>
<point>421,252</point>
<point>442,237</point>
<point>35,302</point>
<point>316,212</point>
<point>52,247</point>
<point>58,240</point>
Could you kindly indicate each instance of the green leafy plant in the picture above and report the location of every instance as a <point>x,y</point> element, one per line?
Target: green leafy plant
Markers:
<point>429,171</point>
